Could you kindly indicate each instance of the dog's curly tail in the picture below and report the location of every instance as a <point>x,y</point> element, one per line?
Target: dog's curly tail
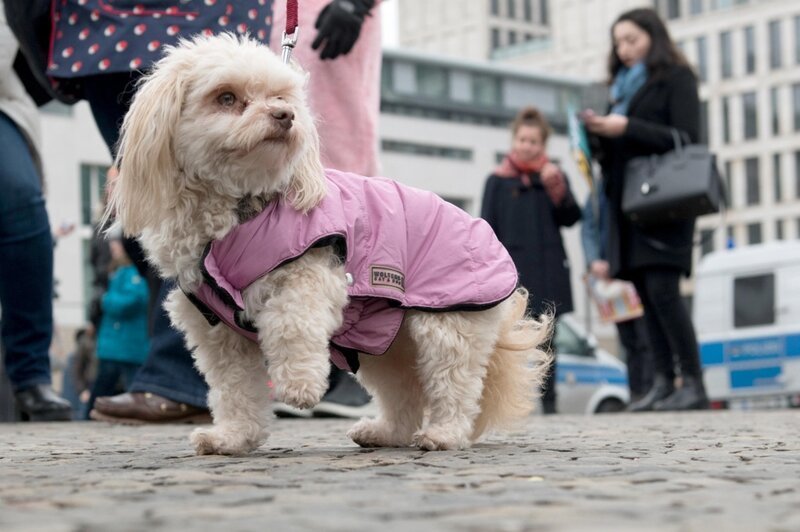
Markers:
<point>516,368</point>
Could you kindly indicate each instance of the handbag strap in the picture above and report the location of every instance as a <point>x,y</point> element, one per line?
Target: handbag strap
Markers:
<point>677,136</point>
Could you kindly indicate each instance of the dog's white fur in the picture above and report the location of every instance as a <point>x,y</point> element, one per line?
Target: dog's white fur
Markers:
<point>190,158</point>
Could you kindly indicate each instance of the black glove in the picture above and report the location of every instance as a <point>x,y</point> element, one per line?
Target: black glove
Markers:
<point>339,24</point>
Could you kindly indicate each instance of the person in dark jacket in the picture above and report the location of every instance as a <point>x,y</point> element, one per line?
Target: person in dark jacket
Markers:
<point>527,200</point>
<point>653,92</point>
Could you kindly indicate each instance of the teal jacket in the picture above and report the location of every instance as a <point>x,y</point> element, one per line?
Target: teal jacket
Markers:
<point>123,328</point>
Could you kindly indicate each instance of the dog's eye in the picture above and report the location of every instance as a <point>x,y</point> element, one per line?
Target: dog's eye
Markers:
<point>226,99</point>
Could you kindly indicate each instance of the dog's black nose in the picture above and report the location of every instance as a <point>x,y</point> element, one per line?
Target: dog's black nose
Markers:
<point>283,117</point>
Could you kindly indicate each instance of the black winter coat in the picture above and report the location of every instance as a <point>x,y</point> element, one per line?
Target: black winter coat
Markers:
<point>670,101</point>
<point>528,224</point>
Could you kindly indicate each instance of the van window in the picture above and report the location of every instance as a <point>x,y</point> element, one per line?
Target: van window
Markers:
<point>754,300</point>
<point>567,341</point>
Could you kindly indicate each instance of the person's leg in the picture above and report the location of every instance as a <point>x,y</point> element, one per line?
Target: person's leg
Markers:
<point>26,264</point>
<point>549,398</point>
<point>26,280</point>
<point>664,292</point>
<point>663,365</point>
<point>632,337</point>
<point>106,382</point>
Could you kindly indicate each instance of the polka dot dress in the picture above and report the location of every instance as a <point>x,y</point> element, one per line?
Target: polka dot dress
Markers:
<point>100,36</point>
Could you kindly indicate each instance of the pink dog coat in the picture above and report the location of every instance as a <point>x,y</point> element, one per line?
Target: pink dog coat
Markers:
<point>402,248</point>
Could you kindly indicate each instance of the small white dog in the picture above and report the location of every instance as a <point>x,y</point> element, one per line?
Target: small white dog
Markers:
<point>218,135</point>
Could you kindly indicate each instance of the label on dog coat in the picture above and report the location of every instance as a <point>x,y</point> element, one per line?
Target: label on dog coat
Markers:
<point>383,276</point>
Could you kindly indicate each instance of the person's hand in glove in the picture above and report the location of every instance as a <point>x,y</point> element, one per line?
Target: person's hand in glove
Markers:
<point>339,24</point>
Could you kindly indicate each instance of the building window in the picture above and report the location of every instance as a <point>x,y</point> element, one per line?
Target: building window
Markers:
<point>544,13</point>
<point>754,300</point>
<point>797,176</point>
<point>427,150</point>
<point>774,105</point>
<point>777,177</point>
<point>797,39</point>
<point>706,242</point>
<point>753,181</point>
<point>432,81</point>
<point>754,233</point>
<point>669,9</point>
<point>673,9</point>
<point>696,7</point>
<point>778,229</point>
<point>93,185</point>
<point>726,120</point>
<point>726,54</point>
<point>796,105</point>
<point>495,7</point>
<point>703,122</point>
<point>512,9</point>
<point>486,90</point>
<point>495,38</point>
<point>775,56</point>
<point>527,10</point>
<point>731,236</point>
<point>749,50</point>
<point>702,58</point>
<point>512,37</point>
<point>750,115</point>
<point>729,183</point>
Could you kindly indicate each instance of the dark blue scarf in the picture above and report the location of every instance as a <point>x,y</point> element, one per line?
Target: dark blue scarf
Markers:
<point>627,82</point>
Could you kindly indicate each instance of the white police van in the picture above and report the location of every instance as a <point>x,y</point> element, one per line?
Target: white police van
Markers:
<point>589,380</point>
<point>747,315</point>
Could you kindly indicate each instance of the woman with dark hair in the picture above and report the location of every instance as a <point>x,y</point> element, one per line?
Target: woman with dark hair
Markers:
<point>653,93</point>
<point>527,200</point>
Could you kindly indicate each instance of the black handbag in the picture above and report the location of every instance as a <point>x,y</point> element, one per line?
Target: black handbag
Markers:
<point>678,185</point>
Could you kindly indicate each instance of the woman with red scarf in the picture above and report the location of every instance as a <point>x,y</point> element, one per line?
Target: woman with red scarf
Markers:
<point>527,200</point>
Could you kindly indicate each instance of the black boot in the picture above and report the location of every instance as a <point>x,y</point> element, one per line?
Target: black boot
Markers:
<point>41,403</point>
<point>691,396</point>
<point>662,388</point>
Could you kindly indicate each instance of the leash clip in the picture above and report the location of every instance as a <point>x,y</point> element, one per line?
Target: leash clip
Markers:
<point>288,42</point>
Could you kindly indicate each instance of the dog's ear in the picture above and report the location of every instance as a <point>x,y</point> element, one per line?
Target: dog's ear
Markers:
<point>149,179</point>
<point>307,182</point>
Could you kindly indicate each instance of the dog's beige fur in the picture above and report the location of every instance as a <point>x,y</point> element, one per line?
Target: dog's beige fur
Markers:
<point>202,143</point>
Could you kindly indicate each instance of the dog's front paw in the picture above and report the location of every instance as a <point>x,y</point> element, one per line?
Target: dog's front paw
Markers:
<point>436,438</point>
<point>300,394</point>
<point>218,440</point>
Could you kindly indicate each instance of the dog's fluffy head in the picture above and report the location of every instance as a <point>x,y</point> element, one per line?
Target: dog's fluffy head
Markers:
<point>219,115</point>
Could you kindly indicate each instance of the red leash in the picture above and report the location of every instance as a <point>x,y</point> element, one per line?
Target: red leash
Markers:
<point>289,39</point>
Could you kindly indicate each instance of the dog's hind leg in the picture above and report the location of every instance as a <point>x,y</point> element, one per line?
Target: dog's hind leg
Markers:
<point>237,377</point>
<point>393,382</point>
<point>453,354</point>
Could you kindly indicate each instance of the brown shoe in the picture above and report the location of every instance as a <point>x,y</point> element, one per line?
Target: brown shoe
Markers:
<point>143,407</point>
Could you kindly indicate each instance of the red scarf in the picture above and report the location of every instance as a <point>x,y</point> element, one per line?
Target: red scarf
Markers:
<point>512,167</point>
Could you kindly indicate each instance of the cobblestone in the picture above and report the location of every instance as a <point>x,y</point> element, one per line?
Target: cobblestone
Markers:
<point>700,471</point>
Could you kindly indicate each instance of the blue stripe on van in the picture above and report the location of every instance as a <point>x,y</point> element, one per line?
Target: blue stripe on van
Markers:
<point>756,378</point>
<point>591,374</point>
<point>761,349</point>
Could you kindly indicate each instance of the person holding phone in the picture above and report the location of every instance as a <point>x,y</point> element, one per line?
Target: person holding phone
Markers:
<point>653,93</point>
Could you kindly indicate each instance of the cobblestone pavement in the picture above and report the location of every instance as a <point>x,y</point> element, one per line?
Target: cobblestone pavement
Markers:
<point>701,471</point>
